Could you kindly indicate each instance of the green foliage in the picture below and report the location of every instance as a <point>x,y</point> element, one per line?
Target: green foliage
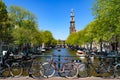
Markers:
<point>3,12</point>
<point>90,31</point>
<point>22,35</point>
<point>22,17</point>
<point>81,37</point>
<point>36,37</point>
<point>20,26</point>
<point>70,39</point>
<point>86,35</point>
<point>4,27</point>
<point>25,25</point>
<point>26,30</point>
<point>73,39</point>
<point>108,14</point>
<point>47,37</point>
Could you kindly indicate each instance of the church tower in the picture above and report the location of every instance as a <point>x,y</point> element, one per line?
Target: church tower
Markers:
<point>72,22</point>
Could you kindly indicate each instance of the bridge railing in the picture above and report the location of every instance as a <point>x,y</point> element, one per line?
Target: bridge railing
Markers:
<point>86,60</point>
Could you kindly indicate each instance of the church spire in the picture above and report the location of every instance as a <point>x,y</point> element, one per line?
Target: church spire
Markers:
<point>72,15</point>
<point>72,22</point>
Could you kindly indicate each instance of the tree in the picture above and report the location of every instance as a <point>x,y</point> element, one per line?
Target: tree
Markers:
<point>36,37</point>
<point>72,39</point>
<point>3,22</point>
<point>21,35</point>
<point>90,33</point>
<point>107,12</point>
<point>81,37</point>
<point>22,17</point>
<point>26,29</point>
<point>47,37</point>
<point>27,36</point>
<point>25,26</point>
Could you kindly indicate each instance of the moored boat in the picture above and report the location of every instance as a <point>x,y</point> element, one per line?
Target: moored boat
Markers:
<point>43,50</point>
<point>80,53</point>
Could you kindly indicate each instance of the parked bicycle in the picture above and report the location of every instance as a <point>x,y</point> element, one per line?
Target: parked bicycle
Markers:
<point>117,71</point>
<point>4,69</point>
<point>36,68</point>
<point>16,67</point>
<point>101,67</point>
<point>116,66</point>
<point>67,69</point>
<point>13,62</point>
<point>20,64</point>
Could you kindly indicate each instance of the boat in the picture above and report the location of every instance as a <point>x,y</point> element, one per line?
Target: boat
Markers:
<point>80,53</point>
<point>43,50</point>
<point>59,49</point>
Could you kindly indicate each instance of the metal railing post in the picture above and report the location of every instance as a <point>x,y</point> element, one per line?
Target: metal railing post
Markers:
<point>59,62</point>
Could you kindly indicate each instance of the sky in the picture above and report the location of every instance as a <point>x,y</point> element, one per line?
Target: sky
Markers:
<point>54,15</point>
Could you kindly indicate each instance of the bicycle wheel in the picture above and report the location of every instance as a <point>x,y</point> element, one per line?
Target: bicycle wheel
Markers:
<point>36,70</point>
<point>49,70</point>
<point>83,70</point>
<point>105,70</point>
<point>70,70</point>
<point>6,71</point>
<point>16,69</point>
<point>117,71</point>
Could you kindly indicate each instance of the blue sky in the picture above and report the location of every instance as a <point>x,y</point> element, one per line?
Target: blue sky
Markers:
<point>54,15</point>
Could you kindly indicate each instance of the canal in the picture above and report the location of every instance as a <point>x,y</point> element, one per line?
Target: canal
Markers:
<point>63,53</point>
<point>60,51</point>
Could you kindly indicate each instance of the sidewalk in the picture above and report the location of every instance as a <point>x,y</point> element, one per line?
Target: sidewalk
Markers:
<point>60,78</point>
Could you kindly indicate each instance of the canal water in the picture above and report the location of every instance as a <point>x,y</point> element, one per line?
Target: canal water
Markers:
<point>60,51</point>
<point>63,53</point>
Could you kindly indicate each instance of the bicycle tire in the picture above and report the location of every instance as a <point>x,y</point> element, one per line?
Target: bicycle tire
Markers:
<point>105,70</point>
<point>36,70</point>
<point>83,70</point>
<point>16,69</point>
<point>70,70</point>
<point>117,71</point>
<point>6,71</point>
<point>49,70</point>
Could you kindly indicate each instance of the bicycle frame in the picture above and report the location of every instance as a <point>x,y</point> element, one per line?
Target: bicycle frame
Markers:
<point>65,69</point>
<point>57,64</point>
<point>4,68</point>
<point>99,68</point>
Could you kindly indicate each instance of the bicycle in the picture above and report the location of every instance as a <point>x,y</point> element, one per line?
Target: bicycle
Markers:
<point>4,69</point>
<point>101,67</point>
<point>68,69</point>
<point>117,66</point>
<point>117,70</point>
<point>16,66</point>
<point>13,63</point>
<point>35,70</point>
<point>10,64</point>
<point>19,65</point>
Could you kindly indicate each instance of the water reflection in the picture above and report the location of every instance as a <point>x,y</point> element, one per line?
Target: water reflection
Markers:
<point>64,52</point>
<point>68,52</point>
